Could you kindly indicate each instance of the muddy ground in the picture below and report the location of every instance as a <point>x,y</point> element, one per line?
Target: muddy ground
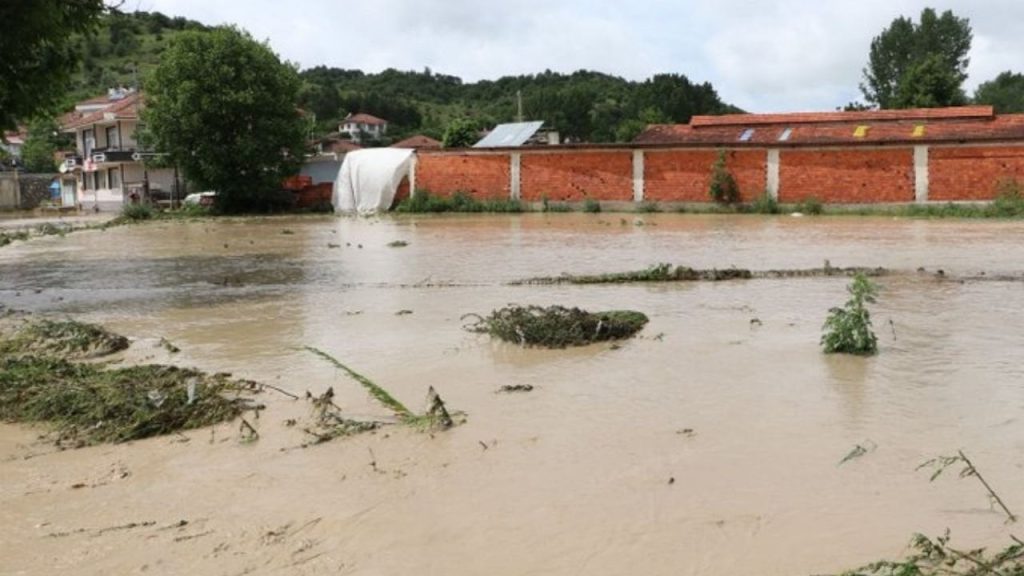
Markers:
<point>709,444</point>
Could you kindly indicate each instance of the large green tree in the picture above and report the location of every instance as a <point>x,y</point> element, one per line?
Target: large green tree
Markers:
<point>1005,93</point>
<point>223,106</point>
<point>37,55</point>
<point>931,53</point>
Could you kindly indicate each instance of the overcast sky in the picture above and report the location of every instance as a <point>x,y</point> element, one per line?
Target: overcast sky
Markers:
<point>784,55</point>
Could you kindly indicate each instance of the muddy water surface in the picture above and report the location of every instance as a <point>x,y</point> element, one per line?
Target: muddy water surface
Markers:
<point>710,445</point>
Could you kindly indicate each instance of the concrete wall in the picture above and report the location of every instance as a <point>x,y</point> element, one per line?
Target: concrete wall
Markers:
<point>835,175</point>
<point>24,192</point>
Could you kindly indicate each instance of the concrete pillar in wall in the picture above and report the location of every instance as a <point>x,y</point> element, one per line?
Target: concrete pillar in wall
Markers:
<point>515,169</point>
<point>638,175</point>
<point>412,175</point>
<point>920,174</point>
<point>771,184</point>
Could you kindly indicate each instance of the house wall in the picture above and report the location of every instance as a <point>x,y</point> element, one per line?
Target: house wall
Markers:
<point>685,175</point>
<point>972,173</point>
<point>577,176</point>
<point>483,176</point>
<point>835,175</point>
<point>844,176</point>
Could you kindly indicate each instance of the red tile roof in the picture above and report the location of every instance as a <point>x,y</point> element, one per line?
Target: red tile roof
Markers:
<point>968,123</point>
<point>364,119</point>
<point>340,146</point>
<point>126,108</point>
<point>417,142</point>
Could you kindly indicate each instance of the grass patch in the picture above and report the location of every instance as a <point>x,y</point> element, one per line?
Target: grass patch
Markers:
<point>137,212</point>
<point>765,204</point>
<point>64,338</point>
<point>591,206</point>
<point>88,404</point>
<point>668,273</point>
<point>557,326</point>
<point>647,207</point>
<point>425,202</point>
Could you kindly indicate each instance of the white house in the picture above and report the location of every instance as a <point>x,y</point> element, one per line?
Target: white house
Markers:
<point>358,125</point>
<point>107,168</point>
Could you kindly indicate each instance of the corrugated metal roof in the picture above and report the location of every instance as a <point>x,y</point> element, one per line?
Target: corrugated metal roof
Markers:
<point>509,135</point>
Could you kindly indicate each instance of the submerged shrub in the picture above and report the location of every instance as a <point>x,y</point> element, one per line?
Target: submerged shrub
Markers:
<point>811,205</point>
<point>765,204</point>
<point>137,212</point>
<point>848,329</point>
<point>591,206</point>
<point>559,327</point>
<point>723,188</point>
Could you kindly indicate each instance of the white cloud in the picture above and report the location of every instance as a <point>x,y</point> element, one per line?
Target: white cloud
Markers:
<point>778,56</point>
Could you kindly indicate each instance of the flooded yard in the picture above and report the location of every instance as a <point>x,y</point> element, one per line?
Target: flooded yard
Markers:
<point>710,444</point>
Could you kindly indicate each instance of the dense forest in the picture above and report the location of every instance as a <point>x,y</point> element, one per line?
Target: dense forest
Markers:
<point>582,106</point>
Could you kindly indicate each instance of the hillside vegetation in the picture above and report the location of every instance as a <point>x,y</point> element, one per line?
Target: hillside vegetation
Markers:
<point>582,106</point>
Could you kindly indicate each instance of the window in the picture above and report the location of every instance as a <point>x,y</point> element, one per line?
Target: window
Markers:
<point>88,142</point>
<point>114,178</point>
<point>747,135</point>
<point>785,134</point>
<point>113,137</point>
<point>918,131</point>
<point>861,131</point>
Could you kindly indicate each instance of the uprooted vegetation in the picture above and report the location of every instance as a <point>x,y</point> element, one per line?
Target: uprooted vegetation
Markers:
<point>848,330</point>
<point>557,326</point>
<point>936,557</point>
<point>66,338</point>
<point>331,424</point>
<point>667,273</point>
<point>88,404</point>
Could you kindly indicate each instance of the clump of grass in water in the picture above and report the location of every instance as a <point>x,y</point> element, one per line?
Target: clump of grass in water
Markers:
<point>557,326</point>
<point>648,207</point>
<point>66,338</point>
<point>936,557</point>
<point>398,244</point>
<point>436,416</point>
<point>656,273</point>
<point>765,204</point>
<point>9,237</point>
<point>425,202</point>
<point>591,206</point>
<point>848,329</point>
<point>88,404</point>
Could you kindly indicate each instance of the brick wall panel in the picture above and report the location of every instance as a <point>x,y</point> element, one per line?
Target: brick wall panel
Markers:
<point>847,176</point>
<point>972,173</point>
<point>483,176</point>
<point>577,175</point>
<point>685,175</point>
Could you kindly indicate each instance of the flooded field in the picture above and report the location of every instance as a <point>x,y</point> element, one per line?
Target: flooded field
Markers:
<point>709,445</point>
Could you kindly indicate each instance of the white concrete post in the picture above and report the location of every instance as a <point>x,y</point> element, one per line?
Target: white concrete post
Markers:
<point>920,174</point>
<point>771,184</point>
<point>412,175</point>
<point>514,170</point>
<point>638,175</point>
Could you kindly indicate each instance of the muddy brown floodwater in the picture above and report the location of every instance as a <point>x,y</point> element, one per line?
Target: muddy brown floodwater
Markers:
<point>710,445</point>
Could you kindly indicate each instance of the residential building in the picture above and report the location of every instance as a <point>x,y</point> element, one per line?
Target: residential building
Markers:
<point>358,126</point>
<point>107,168</point>
<point>12,143</point>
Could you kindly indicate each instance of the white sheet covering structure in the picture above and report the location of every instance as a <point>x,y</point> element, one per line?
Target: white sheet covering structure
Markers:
<point>368,180</point>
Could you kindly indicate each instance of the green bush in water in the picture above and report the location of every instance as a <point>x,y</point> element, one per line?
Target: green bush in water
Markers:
<point>848,329</point>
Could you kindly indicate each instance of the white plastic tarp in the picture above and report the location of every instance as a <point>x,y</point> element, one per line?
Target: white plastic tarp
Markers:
<point>368,179</point>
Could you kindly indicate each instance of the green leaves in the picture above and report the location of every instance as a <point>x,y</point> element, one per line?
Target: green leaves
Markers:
<point>848,329</point>
<point>223,106</point>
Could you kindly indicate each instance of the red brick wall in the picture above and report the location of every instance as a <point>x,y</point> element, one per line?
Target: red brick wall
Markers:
<point>685,175</point>
<point>576,176</point>
<point>972,173</point>
<point>847,176</point>
<point>483,176</point>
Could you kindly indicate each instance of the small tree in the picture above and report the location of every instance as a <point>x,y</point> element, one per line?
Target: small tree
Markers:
<point>40,146</point>
<point>848,329</point>
<point>223,106</point>
<point>723,188</point>
<point>460,133</point>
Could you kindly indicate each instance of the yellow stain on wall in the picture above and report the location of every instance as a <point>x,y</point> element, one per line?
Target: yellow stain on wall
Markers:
<point>918,131</point>
<point>860,132</point>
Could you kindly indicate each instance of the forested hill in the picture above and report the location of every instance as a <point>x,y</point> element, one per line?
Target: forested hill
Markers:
<point>583,106</point>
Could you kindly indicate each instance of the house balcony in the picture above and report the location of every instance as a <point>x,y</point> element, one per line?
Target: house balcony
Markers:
<point>112,155</point>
